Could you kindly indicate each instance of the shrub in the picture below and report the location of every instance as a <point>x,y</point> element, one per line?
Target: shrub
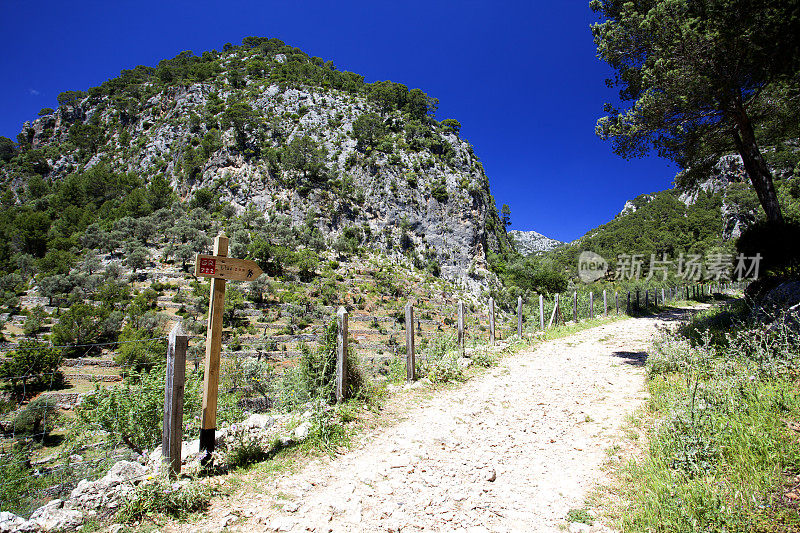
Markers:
<point>162,497</point>
<point>36,419</point>
<point>132,413</point>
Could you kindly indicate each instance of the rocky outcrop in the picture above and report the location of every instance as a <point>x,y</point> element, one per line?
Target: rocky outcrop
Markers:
<point>532,242</point>
<point>433,195</point>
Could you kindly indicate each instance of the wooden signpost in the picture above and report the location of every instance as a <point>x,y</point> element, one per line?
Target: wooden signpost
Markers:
<point>220,268</point>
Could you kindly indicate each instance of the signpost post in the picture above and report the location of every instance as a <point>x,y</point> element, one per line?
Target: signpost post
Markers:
<point>220,268</point>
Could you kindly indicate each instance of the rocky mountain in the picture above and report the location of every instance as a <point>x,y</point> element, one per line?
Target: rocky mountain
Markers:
<point>532,242</point>
<point>264,126</point>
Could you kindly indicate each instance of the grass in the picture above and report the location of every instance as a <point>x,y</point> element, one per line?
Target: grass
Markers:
<point>716,448</point>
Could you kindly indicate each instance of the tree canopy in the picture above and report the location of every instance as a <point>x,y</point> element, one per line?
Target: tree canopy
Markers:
<point>701,79</point>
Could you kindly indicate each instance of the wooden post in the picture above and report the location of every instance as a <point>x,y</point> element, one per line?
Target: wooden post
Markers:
<point>555,313</point>
<point>172,434</point>
<point>575,307</point>
<point>663,298</point>
<point>646,298</point>
<point>637,300</point>
<point>616,302</point>
<point>491,321</point>
<point>628,307</point>
<point>591,305</point>
<point>461,325</point>
<point>341,355</point>
<point>208,424</point>
<point>541,312</point>
<point>519,316</point>
<point>410,369</point>
<point>605,303</point>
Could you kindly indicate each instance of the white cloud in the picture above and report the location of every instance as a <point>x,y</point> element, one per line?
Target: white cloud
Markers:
<point>34,92</point>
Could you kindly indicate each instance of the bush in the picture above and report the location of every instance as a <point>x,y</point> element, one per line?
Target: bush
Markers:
<point>132,413</point>
<point>315,377</point>
<point>37,419</point>
<point>440,364</point>
<point>32,366</point>
<point>162,497</point>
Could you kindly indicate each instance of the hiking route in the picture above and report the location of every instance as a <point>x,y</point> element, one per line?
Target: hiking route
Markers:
<point>512,449</point>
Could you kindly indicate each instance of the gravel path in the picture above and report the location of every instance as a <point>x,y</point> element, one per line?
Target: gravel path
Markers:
<point>511,450</point>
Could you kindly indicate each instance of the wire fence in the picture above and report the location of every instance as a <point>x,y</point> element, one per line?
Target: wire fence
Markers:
<point>41,458</point>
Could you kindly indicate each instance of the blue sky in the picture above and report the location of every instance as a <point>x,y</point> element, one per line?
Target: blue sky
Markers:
<point>521,77</point>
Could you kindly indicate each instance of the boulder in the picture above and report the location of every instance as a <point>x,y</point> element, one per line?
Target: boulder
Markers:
<point>57,515</point>
<point>9,523</point>
<point>301,431</point>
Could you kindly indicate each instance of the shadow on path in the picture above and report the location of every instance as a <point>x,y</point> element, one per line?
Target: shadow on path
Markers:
<point>632,358</point>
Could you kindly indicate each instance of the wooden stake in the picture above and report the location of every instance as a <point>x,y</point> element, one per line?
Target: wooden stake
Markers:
<point>541,312</point>
<point>172,434</point>
<point>341,355</point>
<point>519,316</point>
<point>216,306</point>
<point>591,304</point>
<point>575,307</point>
<point>410,375</point>
<point>491,321</point>
<point>605,303</point>
<point>461,325</point>
<point>616,302</point>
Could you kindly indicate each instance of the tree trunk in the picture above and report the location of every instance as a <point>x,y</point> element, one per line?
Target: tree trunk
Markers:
<point>754,164</point>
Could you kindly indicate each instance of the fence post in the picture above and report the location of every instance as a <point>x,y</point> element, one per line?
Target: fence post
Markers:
<point>491,321</point>
<point>541,312</point>
<point>591,305</point>
<point>519,316</point>
<point>341,355</point>
<point>575,306</point>
<point>628,307</point>
<point>410,368</point>
<point>616,302</point>
<point>461,325</point>
<point>663,298</point>
<point>172,433</point>
<point>646,298</point>
<point>605,304</point>
<point>555,315</point>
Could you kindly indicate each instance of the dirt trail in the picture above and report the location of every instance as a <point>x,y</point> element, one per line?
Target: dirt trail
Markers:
<point>511,450</point>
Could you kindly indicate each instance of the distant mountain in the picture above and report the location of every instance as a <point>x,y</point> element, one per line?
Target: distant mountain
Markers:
<point>704,220</point>
<point>532,242</point>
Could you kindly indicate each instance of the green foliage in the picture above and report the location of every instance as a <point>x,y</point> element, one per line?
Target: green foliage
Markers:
<point>701,79</point>
<point>535,275</point>
<point>305,154</point>
<point>132,413</point>
<point>81,324</point>
<point>440,362</point>
<point>136,349</point>
<point>439,191</point>
<point>161,496</point>
<point>720,448</point>
<point>315,377</point>
<point>367,129</point>
<point>452,125</point>
<point>661,224</point>
<point>33,365</point>
<point>37,419</point>
<point>7,149</point>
